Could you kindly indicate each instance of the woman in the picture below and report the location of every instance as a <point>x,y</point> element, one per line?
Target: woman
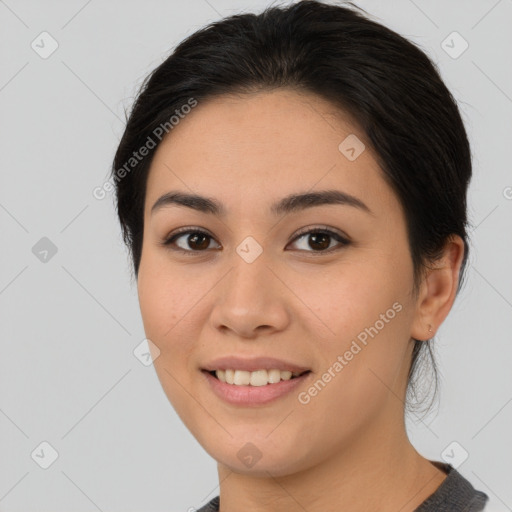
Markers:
<point>292,188</point>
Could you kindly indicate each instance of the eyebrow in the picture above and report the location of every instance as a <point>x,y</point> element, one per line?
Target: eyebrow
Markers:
<point>289,204</point>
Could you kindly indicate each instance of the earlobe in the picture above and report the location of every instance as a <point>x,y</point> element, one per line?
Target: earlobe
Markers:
<point>438,290</point>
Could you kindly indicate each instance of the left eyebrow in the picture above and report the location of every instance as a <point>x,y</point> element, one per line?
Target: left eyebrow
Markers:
<point>297,202</point>
<point>286,205</point>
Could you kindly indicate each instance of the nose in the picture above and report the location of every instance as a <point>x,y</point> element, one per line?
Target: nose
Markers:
<point>251,300</point>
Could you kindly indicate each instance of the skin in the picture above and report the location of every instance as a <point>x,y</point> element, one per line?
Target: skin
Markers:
<point>348,445</point>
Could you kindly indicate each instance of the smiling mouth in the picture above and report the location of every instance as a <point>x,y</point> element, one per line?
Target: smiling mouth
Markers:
<point>256,378</point>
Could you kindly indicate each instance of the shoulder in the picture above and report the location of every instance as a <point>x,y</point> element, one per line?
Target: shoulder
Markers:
<point>455,493</point>
<point>211,506</point>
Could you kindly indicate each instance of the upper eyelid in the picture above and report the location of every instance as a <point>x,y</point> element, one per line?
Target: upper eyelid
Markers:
<point>322,229</point>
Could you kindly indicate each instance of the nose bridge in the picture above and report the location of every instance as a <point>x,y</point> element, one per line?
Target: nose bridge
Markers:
<point>250,296</point>
<point>249,285</point>
<point>249,263</point>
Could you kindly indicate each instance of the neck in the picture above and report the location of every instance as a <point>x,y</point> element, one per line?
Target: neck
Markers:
<point>378,470</point>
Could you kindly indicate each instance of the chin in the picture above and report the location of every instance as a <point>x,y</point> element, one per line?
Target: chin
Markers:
<point>260,459</point>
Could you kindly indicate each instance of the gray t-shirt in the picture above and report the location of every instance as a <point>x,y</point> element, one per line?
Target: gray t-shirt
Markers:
<point>455,494</point>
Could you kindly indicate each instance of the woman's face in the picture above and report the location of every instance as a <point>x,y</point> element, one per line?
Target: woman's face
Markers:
<point>257,285</point>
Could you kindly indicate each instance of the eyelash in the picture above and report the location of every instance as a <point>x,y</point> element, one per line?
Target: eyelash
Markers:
<point>318,230</point>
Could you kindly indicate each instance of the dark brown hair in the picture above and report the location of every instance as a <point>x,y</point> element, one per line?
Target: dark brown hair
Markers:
<point>382,80</point>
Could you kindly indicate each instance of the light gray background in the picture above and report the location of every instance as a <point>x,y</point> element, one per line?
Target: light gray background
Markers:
<point>69,325</point>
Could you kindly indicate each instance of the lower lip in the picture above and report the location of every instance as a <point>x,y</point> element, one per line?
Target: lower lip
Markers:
<point>253,395</point>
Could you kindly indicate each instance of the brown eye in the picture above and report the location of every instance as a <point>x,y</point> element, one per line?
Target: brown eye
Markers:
<point>319,240</point>
<point>198,241</point>
<point>189,241</point>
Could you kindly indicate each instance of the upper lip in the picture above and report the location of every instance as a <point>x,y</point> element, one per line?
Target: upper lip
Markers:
<point>252,364</point>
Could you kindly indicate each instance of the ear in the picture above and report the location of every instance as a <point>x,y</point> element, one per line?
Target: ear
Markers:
<point>438,289</point>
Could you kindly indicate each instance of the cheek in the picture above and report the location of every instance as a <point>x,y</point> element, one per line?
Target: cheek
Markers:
<point>167,298</point>
<point>166,295</point>
<point>158,305</point>
<point>358,381</point>
<point>366,313</point>
<point>342,300</point>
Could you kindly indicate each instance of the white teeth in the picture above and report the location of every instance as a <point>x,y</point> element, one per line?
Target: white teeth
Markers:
<point>274,376</point>
<point>257,378</point>
<point>242,378</point>
<point>230,376</point>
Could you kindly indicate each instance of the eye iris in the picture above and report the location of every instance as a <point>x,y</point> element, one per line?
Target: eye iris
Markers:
<point>193,238</point>
<point>324,237</point>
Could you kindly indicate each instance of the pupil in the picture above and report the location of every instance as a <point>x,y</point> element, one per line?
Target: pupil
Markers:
<point>325,237</point>
<point>194,237</point>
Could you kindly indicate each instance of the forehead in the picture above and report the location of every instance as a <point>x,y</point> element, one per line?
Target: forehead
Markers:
<point>257,147</point>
